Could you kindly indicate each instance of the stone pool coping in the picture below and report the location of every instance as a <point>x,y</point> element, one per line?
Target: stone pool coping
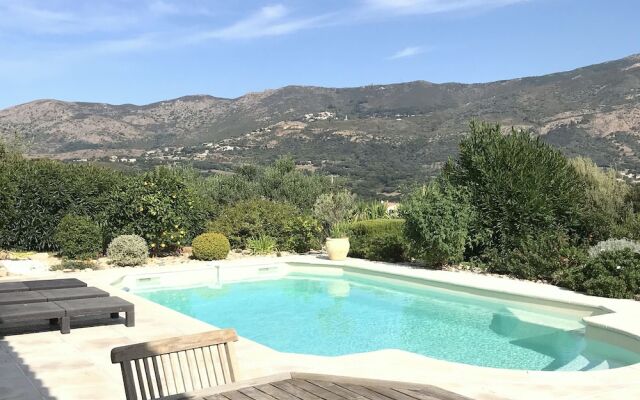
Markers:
<point>87,349</point>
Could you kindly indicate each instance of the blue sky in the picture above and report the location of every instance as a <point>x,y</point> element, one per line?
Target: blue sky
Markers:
<point>140,51</point>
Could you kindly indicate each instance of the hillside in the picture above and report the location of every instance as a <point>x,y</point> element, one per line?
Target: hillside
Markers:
<point>380,135</point>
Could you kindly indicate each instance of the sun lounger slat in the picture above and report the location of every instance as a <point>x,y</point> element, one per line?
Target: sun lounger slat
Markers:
<point>11,287</point>
<point>54,284</point>
<point>72,293</point>
<point>21,298</point>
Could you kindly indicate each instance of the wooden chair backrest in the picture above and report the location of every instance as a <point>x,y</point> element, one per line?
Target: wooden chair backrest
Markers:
<point>182,364</point>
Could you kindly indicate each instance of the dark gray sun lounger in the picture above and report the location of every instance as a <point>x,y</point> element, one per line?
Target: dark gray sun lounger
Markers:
<point>10,287</point>
<point>63,311</point>
<point>38,296</point>
<point>30,312</point>
<point>96,306</point>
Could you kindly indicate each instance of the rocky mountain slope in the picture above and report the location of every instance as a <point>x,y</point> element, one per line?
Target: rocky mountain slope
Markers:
<point>381,135</point>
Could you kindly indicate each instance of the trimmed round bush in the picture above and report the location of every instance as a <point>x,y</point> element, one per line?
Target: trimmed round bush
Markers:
<point>78,237</point>
<point>128,251</point>
<point>210,246</point>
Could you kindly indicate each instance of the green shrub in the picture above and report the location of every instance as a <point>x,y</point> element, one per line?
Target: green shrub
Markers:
<point>607,203</point>
<point>378,240</point>
<point>631,228</point>
<point>333,208</point>
<point>519,187</point>
<point>339,230</point>
<point>365,210</point>
<point>8,193</point>
<point>262,245</point>
<point>609,274</point>
<point>302,234</point>
<point>633,197</point>
<point>222,191</point>
<point>282,182</point>
<point>160,207</point>
<point>128,250</point>
<point>73,264</point>
<point>210,246</point>
<point>49,190</point>
<point>535,257</point>
<point>437,220</point>
<point>254,218</point>
<point>78,237</point>
<point>614,245</point>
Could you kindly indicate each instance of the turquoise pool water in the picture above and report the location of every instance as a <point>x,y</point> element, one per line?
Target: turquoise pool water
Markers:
<point>356,313</point>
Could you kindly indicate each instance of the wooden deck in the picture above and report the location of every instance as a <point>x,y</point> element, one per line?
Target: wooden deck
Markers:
<point>302,386</point>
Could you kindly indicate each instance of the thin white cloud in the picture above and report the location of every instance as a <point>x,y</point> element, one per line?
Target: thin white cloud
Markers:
<point>31,17</point>
<point>410,51</point>
<point>433,6</point>
<point>170,8</point>
<point>271,20</point>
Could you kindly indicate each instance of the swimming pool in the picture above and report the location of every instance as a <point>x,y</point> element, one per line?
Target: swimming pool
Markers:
<point>353,312</point>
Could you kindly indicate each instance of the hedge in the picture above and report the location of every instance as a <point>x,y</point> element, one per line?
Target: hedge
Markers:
<point>378,240</point>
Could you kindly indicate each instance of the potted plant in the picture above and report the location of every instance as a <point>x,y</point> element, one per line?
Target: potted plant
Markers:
<point>338,242</point>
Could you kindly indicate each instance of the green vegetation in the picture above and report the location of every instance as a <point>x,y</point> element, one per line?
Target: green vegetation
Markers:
<point>519,188</point>
<point>302,234</point>
<point>437,218</point>
<point>614,245</point>
<point>613,273</point>
<point>262,245</point>
<point>280,182</point>
<point>514,205</point>
<point>49,190</point>
<point>254,218</point>
<point>339,230</point>
<point>365,210</point>
<point>509,204</point>
<point>210,246</point>
<point>73,264</point>
<point>128,251</point>
<point>333,208</point>
<point>378,239</point>
<point>78,237</point>
<point>159,206</point>
<point>167,207</point>
<point>606,206</point>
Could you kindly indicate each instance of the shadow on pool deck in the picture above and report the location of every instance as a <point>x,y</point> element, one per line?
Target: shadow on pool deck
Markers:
<point>17,380</point>
<point>20,381</point>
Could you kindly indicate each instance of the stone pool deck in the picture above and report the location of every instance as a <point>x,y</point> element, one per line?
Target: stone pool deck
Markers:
<point>47,365</point>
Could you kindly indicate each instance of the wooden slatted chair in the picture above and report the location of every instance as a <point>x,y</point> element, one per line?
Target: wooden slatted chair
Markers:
<point>177,365</point>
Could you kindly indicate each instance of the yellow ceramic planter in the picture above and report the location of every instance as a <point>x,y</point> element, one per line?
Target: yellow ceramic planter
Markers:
<point>337,248</point>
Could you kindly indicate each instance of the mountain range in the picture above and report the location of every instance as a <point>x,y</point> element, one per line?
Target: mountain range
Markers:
<point>381,136</point>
